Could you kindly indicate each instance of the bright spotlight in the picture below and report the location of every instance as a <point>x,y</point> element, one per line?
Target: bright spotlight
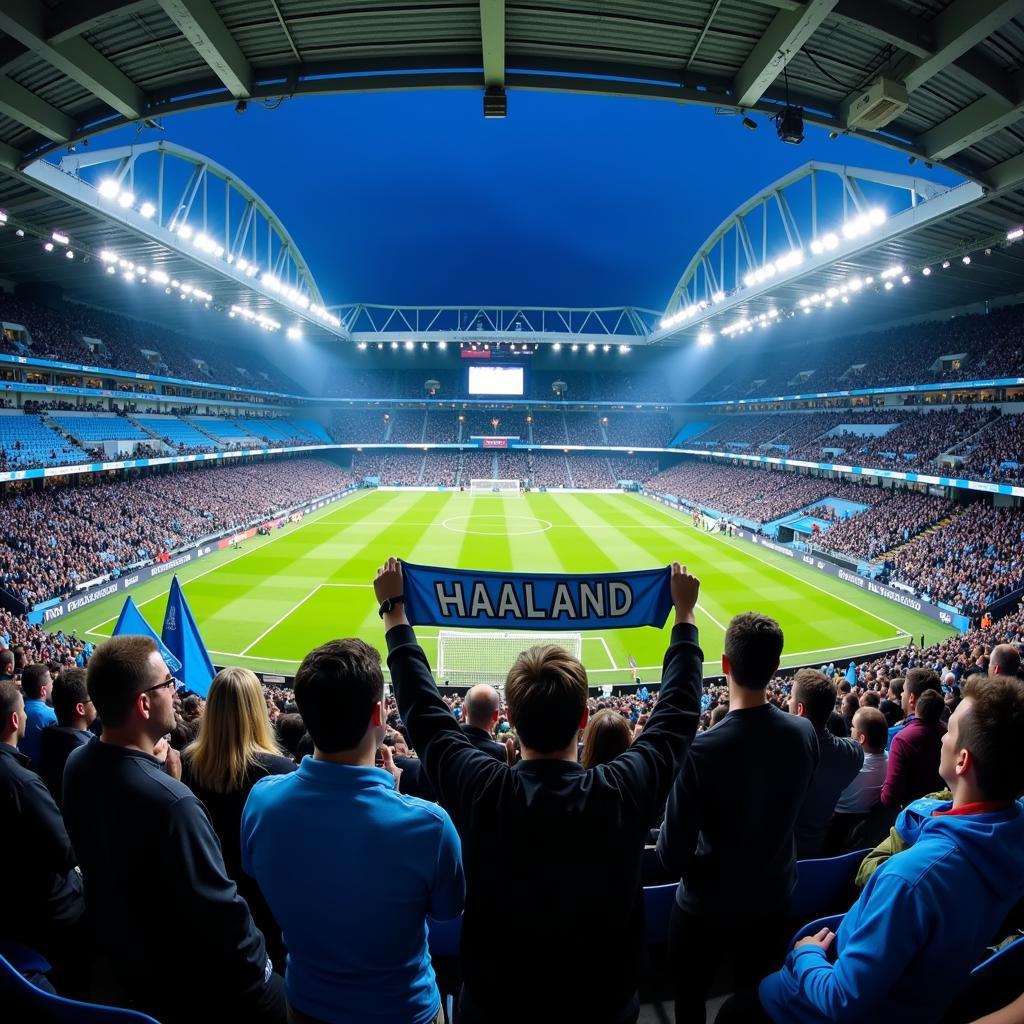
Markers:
<point>557,347</point>
<point>294,334</point>
<point>125,199</point>
<point>705,338</point>
<point>109,188</point>
<point>591,347</point>
<point>147,209</point>
<point>967,261</point>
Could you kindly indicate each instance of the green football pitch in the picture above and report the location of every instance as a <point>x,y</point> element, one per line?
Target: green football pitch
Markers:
<point>268,603</point>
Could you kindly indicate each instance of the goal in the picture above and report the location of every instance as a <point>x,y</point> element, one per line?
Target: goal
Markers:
<point>494,486</point>
<point>485,656</point>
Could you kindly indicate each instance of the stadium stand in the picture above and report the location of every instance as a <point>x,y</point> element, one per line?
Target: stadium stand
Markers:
<point>94,427</point>
<point>28,443</point>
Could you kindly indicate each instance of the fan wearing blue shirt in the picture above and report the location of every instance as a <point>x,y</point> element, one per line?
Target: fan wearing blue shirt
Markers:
<point>36,685</point>
<point>350,867</point>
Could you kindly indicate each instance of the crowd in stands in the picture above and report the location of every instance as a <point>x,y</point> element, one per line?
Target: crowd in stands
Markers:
<point>974,347</point>
<point>262,819</point>
<point>57,333</point>
<point>758,495</point>
<point>969,563</point>
<point>997,454</point>
<point>893,519</point>
<point>53,539</point>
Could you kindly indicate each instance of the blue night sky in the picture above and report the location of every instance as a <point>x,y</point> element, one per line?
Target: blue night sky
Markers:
<point>574,200</point>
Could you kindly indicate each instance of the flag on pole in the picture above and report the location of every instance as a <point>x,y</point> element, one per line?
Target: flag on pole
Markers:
<point>181,636</point>
<point>131,623</point>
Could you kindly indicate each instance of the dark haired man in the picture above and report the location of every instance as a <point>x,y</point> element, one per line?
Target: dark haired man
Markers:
<point>913,767</point>
<point>349,866</point>
<point>146,846</point>
<point>839,760</point>
<point>36,685</point>
<point>728,831</point>
<point>43,903</point>
<point>907,945</point>
<point>1004,661</point>
<point>6,665</point>
<point>553,833</point>
<point>75,713</point>
<point>480,713</point>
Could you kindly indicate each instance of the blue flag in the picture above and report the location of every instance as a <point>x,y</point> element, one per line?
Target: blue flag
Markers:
<point>851,674</point>
<point>131,623</point>
<point>505,600</point>
<point>181,635</point>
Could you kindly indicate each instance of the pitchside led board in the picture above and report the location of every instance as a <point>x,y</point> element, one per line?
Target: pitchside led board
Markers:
<point>536,601</point>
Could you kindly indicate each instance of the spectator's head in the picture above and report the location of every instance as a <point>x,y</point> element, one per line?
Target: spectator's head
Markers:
<point>546,694</point>
<point>7,662</point>
<point>870,730</point>
<point>753,650</point>
<point>1004,661</point>
<point>606,736</point>
<point>290,730</point>
<point>850,705</point>
<point>918,680</point>
<point>12,714</point>
<point>233,731</point>
<point>870,699</point>
<point>36,682</point>
<point>981,749</point>
<point>339,688</point>
<point>481,706</point>
<point>71,702</point>
<point>896,689</point>
<point>813,697</point>
<point>929,707</point>
<point>132,688</point>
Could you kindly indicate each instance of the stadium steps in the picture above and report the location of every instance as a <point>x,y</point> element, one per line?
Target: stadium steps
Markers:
<point>568,471</point>
<point>458,472</point>
<point>971,437</point>
<point>940,525</point>
<point>565,426</point>
<point>423,437</point>
<point>604,432</point>
<point>147,430</point>
<point>215,441</point>
<point>423,465</point>
<point>57,428</point>
<point>388,428</point>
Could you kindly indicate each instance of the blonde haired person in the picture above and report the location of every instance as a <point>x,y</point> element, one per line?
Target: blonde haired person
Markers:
<point>236,748</point>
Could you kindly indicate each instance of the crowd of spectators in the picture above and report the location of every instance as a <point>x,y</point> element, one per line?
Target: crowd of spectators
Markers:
<point>638,429</point>
<point>59,333</point>
<point>973,347</point>
<point>53,539</point>
<point>970,562</point>
<point>997,454</point>
<point>894,518</point>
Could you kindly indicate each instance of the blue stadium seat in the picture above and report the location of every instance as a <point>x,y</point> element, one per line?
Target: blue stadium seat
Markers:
<point>994,983</point>
<point>176,431</point>
<point>832,923</point>
<point>91,427</point>
<point>225,430</point>
<point>35,443</point>
<point>658,903</point>
<point>825,886</point>
<point>24,1002</point>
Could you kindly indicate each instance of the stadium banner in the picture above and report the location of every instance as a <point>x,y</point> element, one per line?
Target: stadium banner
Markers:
<point>917,604</point>
<point>437,596</point>
<point>52,610</point>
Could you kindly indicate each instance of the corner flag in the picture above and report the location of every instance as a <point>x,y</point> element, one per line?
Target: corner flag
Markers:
<point>181,635</point>
<point>131,623</point>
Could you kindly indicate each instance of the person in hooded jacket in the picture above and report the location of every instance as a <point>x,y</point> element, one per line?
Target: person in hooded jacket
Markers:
<point>907,946</point>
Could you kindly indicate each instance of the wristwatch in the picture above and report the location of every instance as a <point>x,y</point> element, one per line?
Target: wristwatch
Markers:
<point>388,604</point>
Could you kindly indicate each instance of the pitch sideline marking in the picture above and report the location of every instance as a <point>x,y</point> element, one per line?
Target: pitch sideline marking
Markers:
<point>274,625</point>
<point>682,522</point>
<point>308,521</point>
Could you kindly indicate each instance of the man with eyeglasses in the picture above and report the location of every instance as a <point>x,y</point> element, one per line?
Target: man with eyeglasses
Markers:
<point>148,853</point>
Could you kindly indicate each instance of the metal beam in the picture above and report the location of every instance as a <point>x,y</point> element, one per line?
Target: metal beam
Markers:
<point>25,20</point>
<point>28,109</point>
<point>10,158</point>
<point>972,124</point>
<point>492,35</point>
<point>1006,175</point>
<point>201,25</point>
<point>783,38</point>
<point>962,25</point>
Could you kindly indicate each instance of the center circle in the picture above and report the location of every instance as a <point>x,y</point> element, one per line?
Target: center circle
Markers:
<point>536,525</point>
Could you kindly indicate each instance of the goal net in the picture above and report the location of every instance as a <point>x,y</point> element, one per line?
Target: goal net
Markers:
<point>494,486</point>
<point>482,656</point>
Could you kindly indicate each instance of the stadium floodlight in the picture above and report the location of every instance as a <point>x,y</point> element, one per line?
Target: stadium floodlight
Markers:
<point>1012,236</point>
<point>556,347</point>
<point>111,270</point>
<point>624,350</point>
<point>160,277</point>
<point>575,348</point>
<point>967,261</point>
<point>147,209</point>
<point>60,238</point>
<point>926,271</point>
<point>718,297</point>
<point>817,246</point>
<point>888,286</point>
<point>442,344</point>
<point>125,198</point>
<point>294,334</point>
<point>591,347</point>
<point>107,256</point>
<point>394,344</point>
<point>606,348</point>
<point>70,254</point>
<point>3,216</point>
<point>705,338</point>
<point>877,216</point>
<point>20,232</point>
<point>185,232</point>
<point>361,346</point>
<point>109,188</point>
<point>830,241</point>
<point>48,247</point>
<point>905,279</point>
<point>425,345</point>
<point>945,264</point>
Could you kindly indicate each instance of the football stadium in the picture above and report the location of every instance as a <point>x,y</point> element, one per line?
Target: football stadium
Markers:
<point>512,512</point>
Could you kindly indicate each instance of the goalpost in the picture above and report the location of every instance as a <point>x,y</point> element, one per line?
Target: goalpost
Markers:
<point>482,656</point>
<point>484,486</point>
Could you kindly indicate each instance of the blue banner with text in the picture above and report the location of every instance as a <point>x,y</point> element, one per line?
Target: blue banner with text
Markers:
<point>500,600</point>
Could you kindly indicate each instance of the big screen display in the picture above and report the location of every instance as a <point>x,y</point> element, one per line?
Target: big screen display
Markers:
<point>496,380</point>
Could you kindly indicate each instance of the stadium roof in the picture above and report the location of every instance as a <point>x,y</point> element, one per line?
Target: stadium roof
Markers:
<point>71,68</point>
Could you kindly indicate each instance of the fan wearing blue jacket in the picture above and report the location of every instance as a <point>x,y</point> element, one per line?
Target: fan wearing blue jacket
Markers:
<point>907,946</point>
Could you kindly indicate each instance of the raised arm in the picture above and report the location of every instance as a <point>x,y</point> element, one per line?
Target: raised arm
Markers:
<point>453,765</point>
<point>651,763</point>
